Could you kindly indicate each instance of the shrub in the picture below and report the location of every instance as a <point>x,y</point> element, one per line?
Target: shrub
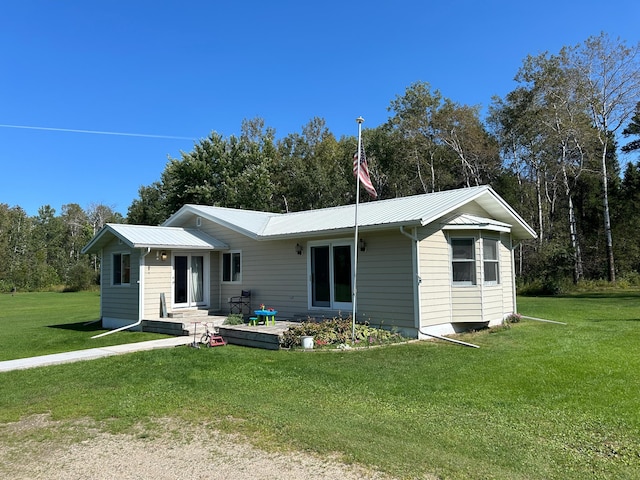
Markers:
<point>234,319</point>
<point>513,318</point>
<point>80,277</point>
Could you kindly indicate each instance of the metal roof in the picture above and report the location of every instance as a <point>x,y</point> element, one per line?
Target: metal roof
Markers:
<point>145,236</point>
<point>406,211</point>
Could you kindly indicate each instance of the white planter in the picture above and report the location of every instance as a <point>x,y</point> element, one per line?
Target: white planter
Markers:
<point>307,341</point>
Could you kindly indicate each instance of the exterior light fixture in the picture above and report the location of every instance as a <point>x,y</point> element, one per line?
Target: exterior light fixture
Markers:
<point>298,249</point>
<point>163,256</point>
<point>363,245</point>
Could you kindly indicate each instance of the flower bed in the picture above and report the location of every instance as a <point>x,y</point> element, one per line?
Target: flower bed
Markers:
<point>337,332</point>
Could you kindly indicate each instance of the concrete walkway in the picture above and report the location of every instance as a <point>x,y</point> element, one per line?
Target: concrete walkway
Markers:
<point>92,353</point>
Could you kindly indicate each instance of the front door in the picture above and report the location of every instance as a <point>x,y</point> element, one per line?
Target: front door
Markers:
<point>190,280</point>
<point>331,275</point>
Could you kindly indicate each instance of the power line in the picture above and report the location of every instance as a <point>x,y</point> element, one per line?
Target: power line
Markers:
<point>96,132</point>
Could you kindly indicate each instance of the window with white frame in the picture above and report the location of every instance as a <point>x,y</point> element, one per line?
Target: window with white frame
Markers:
<point>490,251</point>
<point>463,261</point>
<point>121,268</point>
<point>232,267</point>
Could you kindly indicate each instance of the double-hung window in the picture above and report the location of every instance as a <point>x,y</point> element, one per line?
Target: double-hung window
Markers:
<point>121,268</point>
<point>232,267</point>
<point>463,261</point>
<point>490,261</point>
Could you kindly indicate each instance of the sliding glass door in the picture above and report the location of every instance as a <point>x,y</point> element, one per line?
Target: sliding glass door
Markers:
<point>331,276</point>
<point>190,280</point>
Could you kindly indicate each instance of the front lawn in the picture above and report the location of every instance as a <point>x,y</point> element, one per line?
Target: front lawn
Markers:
<point>34,324</point>
<point>536,401</point>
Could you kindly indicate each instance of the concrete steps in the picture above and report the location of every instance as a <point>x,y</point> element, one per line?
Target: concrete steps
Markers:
<point>183,323</point>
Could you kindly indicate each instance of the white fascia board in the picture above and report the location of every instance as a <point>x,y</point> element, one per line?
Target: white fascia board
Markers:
<point>487,227</point>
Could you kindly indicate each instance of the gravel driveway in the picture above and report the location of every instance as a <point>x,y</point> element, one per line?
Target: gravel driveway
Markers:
<point>38,448</point>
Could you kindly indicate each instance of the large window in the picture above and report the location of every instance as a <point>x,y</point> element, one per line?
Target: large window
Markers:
<point>232,267</point>
<point>463,261</point>
<point>121,269</point>
<point>491,264</point>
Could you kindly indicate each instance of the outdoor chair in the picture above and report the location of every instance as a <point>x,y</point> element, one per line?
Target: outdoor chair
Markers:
<point>238,303</point>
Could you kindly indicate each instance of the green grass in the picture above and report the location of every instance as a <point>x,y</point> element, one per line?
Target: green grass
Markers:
<point>34,324</point>
<point>536,401</point>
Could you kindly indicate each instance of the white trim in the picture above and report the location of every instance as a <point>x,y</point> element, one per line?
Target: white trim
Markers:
<point>491,228</point>
<point>480,245</point>
<point>141,281</point>
<point>113,263</point>
<point>474,281</point>
<point>417,279</point>
<point>497,261</point>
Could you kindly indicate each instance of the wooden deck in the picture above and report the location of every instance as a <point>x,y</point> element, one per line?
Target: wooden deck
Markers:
<point>257,336</point>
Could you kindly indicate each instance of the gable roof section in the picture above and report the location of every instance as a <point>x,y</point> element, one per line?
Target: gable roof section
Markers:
<point>144,236</point>
<point>417,210</point>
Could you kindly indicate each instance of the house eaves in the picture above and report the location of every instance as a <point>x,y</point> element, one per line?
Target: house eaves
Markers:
<point>145,236</point>
<point>246,222</point>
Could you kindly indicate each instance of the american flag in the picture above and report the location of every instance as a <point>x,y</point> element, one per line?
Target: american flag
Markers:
<point>364,172</point>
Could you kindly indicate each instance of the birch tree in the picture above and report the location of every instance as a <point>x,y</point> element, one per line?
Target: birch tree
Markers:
<point>608,79</point>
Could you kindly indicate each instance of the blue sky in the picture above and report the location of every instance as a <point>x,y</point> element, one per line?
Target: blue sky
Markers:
<point>185,68</point>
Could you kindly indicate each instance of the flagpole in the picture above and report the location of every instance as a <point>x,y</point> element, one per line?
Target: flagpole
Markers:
<point>355,240</point>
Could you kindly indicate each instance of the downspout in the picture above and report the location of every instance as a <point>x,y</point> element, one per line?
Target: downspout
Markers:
<point>140,299</point>
<point>513,272</point>
<point>417,304</point>
<point>458,342</point>
<point>481,279</point>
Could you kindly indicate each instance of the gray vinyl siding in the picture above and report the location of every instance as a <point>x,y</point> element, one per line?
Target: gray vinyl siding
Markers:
<point>506,274</point>
<point>119,301</point>
<point>385,280</point>
<point>272,270</point>
<point>435,274</point>
<point>157,280</point>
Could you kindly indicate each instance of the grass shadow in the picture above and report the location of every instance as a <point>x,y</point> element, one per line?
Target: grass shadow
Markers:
<point>79,326</point>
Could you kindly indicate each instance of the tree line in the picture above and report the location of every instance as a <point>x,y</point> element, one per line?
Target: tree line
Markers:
<point>43,251</point>
<point>549,147</point>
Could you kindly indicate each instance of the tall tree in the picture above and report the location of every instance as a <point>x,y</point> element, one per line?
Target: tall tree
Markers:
<point>460,128</point>
<point>413,119</point>
<point>150,206</point>
<point>607,75</point>
<point>564,124</point>
<point>312,169</point>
